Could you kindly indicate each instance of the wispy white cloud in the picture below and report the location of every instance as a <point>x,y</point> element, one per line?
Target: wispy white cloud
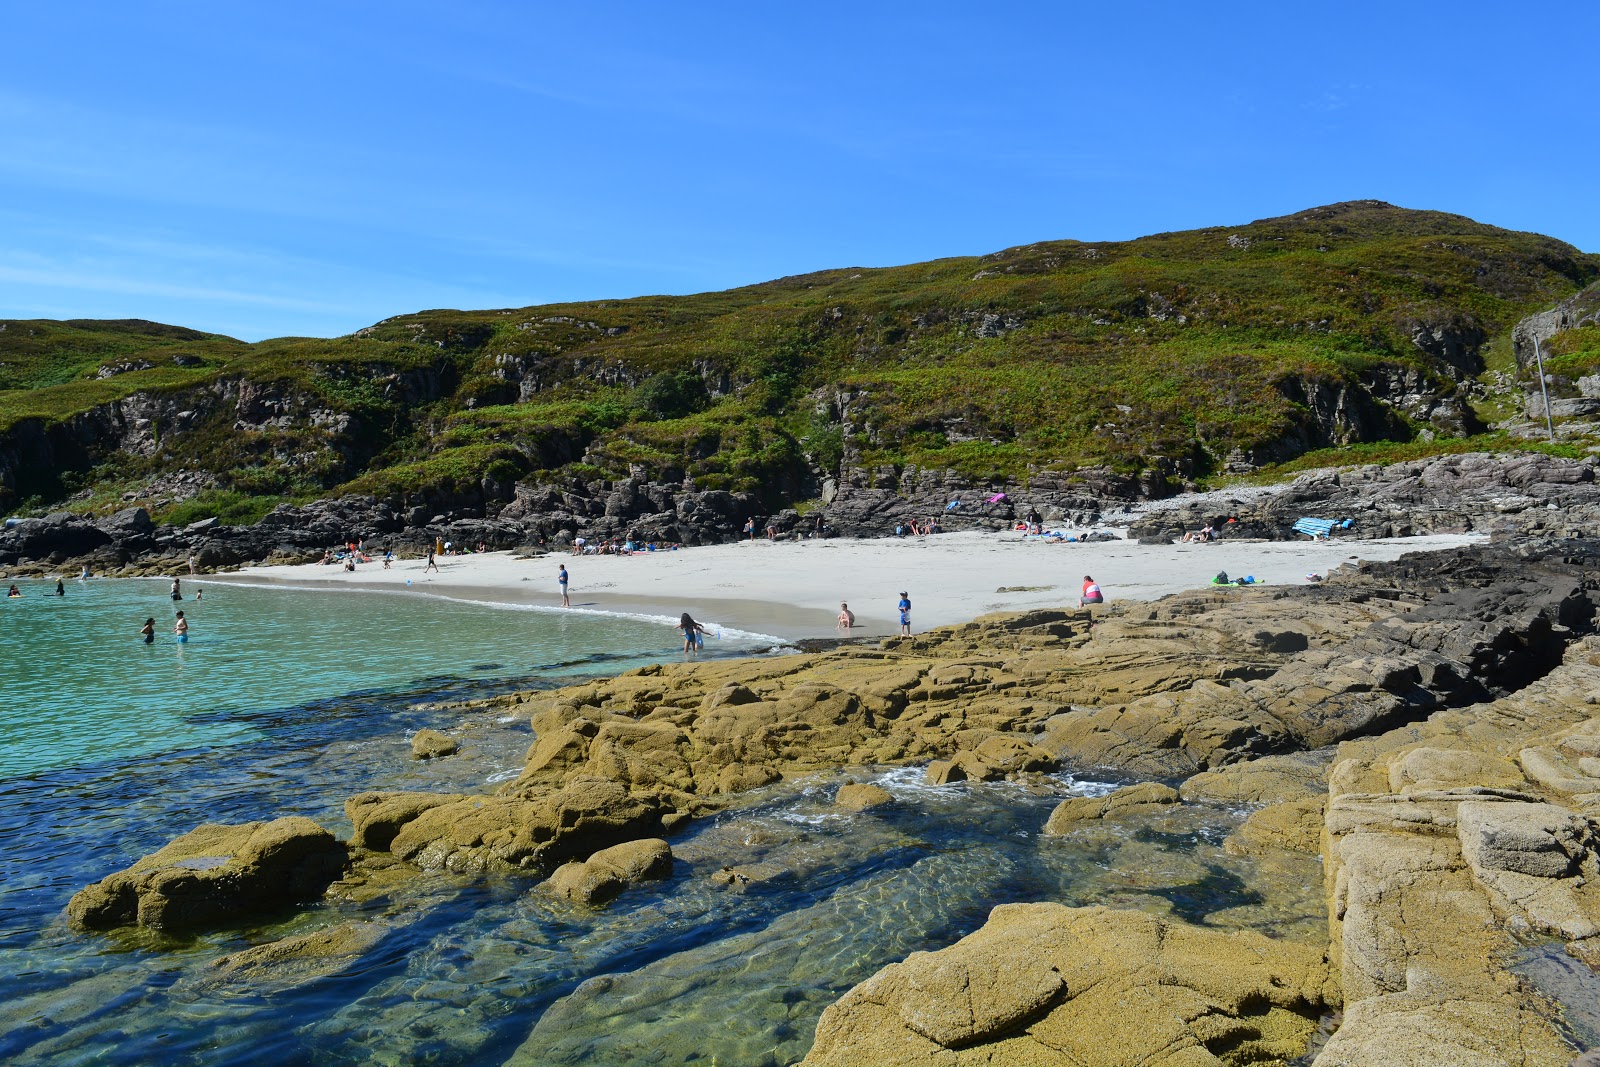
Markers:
<point>100,283</point>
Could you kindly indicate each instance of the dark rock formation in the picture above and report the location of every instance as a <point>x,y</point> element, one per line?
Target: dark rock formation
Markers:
<point>1495,493</point>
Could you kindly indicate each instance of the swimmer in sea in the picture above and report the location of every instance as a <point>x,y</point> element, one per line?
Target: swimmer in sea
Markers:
<point>177,594</point>
<point>14,593</point>
<point>181,628</point>
<point>149,631</point>
<point>61,590</point>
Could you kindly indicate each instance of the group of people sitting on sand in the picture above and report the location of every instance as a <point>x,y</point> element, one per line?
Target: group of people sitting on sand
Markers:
<point>927,526</point>
<point>1205,533</point>
<point>620,547</point>
<point>352,553</point>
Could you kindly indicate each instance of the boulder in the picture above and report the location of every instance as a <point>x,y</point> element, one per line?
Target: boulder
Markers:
<point>608,872</point>
<point>431,744</point>
<point>216,874</point>
<point>859,796</point>
<point>1138,799</point>
<point>944,772</point>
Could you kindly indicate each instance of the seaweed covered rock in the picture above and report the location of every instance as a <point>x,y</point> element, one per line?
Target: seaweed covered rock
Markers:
<point>216,874</point>
<point>1049,984</point>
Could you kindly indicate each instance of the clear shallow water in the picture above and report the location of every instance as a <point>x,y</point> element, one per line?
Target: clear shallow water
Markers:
<point>77,684</point>
<point>491,972</point>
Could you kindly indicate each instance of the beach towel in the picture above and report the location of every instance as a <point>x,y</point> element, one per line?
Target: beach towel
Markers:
<point>952,505</point>
<point>997,498</point>
<point>1316,528</point>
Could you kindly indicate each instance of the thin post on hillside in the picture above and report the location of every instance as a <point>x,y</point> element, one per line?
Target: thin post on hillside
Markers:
<point>1544,389</point>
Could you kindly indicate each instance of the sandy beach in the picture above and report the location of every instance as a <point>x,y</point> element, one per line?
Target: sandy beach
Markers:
<point>792,589</point>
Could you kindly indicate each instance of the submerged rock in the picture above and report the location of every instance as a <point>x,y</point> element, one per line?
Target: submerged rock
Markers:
<point>216,874</point>
<point>1048,984</point>
<point>291,962</point>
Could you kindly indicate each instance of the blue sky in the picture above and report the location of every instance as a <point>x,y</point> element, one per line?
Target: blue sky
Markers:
<point>263,170</point>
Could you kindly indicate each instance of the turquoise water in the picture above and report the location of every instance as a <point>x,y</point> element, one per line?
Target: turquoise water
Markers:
<point>286,703</point>
<point>77,683</point>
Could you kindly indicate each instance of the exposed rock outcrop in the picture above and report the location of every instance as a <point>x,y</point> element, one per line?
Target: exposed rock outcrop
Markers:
<point>1047,984</point>
<point>1495,493</point>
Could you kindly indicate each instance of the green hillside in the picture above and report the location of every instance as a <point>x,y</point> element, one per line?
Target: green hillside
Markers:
<point>1208,349</point>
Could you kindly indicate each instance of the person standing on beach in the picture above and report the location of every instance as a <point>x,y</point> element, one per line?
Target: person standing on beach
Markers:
<point>1091,593</point>
<point>750,528</point>
<point>191,563</point>
<point>181,628</point>
<point>905,614</point>
<point>431,565</point>
<point>562,578</point>
<point>149,631</point>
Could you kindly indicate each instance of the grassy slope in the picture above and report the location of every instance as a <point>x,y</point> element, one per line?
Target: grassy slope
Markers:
<point>1169,345</point>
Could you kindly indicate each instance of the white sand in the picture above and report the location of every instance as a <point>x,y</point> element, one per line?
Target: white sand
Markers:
<point>793,588</point>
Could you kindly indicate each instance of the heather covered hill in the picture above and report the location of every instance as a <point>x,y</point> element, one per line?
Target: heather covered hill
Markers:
<point>1207,351</point>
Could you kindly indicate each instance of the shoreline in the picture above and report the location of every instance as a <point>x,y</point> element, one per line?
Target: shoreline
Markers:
<point>792,589</point>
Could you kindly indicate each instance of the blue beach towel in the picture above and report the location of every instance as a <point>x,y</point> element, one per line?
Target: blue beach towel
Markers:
<point>1316,528</point>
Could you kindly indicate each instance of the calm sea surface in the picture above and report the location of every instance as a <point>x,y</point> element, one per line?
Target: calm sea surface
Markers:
<point>289,701</point>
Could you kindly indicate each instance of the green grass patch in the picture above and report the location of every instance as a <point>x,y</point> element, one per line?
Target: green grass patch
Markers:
<point>229,507</point>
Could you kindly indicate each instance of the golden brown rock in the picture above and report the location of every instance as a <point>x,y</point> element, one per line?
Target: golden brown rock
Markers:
<point>431,744</point>
<point>608,872</point>
<point>859,796</point>
<point>216,873</point>
<point>1129,800</point>
<point>1087,987</point>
